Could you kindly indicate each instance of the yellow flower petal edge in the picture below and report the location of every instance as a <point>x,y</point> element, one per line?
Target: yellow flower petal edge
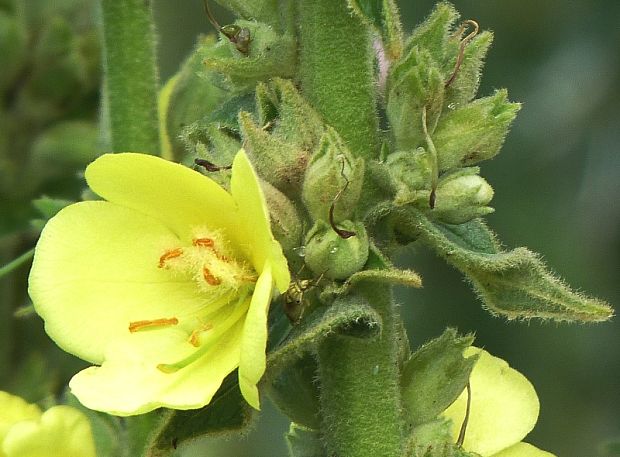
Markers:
<point>523,450</point>
<point>26,432</point>
<point>62,430</point>
<point>504,406</point>
<point>14,409</point>
<point>163,286</point>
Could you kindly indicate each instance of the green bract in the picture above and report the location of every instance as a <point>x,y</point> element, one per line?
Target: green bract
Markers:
<point>504,409</point>
<point>26,432</point>
<point>165,286</point>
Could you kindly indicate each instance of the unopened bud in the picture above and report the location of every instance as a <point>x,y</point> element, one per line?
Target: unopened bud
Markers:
<point>415,83</point>
<point>327,253</point>
<point>333,177</point>
<point>462,196</point>
<point>475,132</point>
<point>411,171</point>
<point>285,221</point>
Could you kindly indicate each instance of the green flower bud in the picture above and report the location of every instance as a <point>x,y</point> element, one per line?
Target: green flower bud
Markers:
<point>465,84</point>
<point>411,171</point>
<point>285,221</point>
<point>474,132</point>
<point>415,82</point>
<point>13,39</point>
<point>462,196</point>
<point>276,160</point>
<point>334,176</point>
<point>335,257</point>
<point>433,33</point>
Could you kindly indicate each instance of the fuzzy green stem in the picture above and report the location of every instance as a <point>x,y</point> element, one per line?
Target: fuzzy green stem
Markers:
<point>131,79</point>
<point>16,263</point>
<point>360,393</point>
<point>336,68</point>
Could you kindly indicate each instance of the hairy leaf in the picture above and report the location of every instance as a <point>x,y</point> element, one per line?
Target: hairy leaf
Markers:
<point>515,284</point>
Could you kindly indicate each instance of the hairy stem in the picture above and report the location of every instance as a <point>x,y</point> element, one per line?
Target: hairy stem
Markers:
<point>360,393</point>
<point>336,67</point>
<point>131,79</point>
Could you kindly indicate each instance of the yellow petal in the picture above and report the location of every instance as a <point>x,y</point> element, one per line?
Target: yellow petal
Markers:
<point>523,450</point>
<point>253,359</point>
<point>504,406</point>
<point>130,383</point>
<point>12,410</point>
<point>260,246</point>
<point>177,196</point>
<point>61,431</point>
<point>96,270</point>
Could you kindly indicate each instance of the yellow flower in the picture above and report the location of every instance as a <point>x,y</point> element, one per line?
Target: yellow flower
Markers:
<point>165,286</point>
<point>504,409</point>
<point>26,432</point>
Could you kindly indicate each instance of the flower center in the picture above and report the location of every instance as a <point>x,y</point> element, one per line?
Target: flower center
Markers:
<point>224,281</point>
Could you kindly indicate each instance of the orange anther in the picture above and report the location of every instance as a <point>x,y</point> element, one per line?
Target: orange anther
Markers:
<point>169,255</point>
<point>194,338</point>
<point>163,322</point>
<point>206,242</point>
<point>211,280</point>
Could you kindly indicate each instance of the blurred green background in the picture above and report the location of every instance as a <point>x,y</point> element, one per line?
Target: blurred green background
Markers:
<point>557,184</point>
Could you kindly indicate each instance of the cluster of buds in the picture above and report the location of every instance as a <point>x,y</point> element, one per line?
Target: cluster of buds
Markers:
<point>439,131</point>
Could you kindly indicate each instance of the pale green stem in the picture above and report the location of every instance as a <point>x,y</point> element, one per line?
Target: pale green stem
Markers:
<point>360,394</point>
<point>131,77</point>
<point>336,68</point>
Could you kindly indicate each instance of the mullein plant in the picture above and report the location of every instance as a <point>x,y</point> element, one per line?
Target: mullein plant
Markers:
<point>312,140</point>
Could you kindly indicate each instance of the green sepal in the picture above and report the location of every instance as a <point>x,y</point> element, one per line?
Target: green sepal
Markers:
<point>384,18</point>
<point>266,104</point>
<point>279,162</point>
<point>515,284</point>
<point>286,224</point>
<point>433,439</point>
<point>411,173</point>
<point>227,413</point>
<point>304,442</point>
<point>269,55</point>
<point>465,85</point>
<point>433,33</point>
<point>434,376</point>
<point>332,171</point>
<point>474,132</point>
<point>295,391</point>
<point>298,122</point>
<point>258,10</point>
<point>415,83</point>
<point>349,315</point>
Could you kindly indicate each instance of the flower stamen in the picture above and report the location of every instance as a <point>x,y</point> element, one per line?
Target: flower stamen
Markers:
<point>206,242</point>
<point>147,324</point>
<point>171,254</point>
<point>194,338</point>
<point>209,243</point>
<point>211,280</point>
